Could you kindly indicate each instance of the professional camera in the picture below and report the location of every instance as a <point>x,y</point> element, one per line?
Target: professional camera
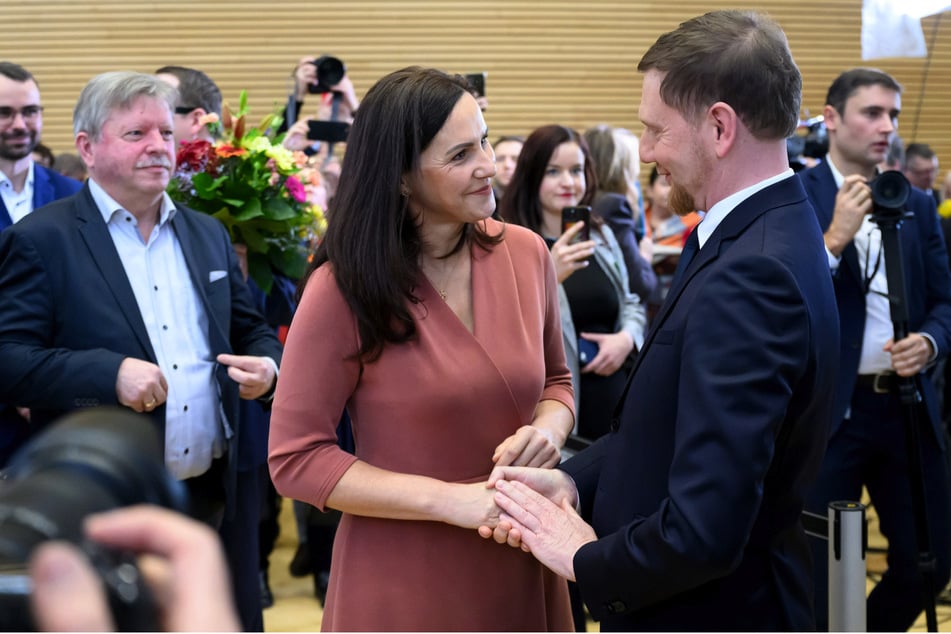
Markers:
<point>890,192</point>
<point>330,71</point>
<point>87,462</point>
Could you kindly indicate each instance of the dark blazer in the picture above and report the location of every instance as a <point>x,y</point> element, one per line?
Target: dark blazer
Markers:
<point>616,211</point>
<point>696,498</point>
<point>47,187</point>
<point>69,317</point>
<point>927,288</point>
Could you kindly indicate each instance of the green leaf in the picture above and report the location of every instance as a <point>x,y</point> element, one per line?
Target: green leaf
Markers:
<point>250,237</point>
<point>278,209</point>
<point>259,270</point>
<point>250,209</point>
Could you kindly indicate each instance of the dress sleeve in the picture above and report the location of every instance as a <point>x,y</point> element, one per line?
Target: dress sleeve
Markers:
<point>319,372</point>
<point>557,376</point>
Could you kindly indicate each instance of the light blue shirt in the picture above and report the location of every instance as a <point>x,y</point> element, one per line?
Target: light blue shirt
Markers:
<point>195,425</point>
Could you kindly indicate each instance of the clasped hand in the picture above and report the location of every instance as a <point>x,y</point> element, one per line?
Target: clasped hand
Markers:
<point>538,516</point>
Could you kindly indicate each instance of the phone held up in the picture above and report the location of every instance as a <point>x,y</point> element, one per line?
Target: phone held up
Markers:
<point>477,83</point>
<point>573,215</point>
<point>329,131</point>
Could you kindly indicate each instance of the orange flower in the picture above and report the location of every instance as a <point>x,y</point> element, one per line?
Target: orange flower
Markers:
<point>227,151</point>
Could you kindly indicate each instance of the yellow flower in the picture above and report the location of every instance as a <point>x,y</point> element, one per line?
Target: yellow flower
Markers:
<point>283,157</point>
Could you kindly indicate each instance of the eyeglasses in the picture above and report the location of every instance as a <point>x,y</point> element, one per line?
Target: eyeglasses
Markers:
<point>29,113</point>
<point>185,109</point>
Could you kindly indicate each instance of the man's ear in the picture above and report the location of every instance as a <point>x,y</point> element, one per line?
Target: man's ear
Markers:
<point>722,122</point>
<point>84,148</point>
<point>830,116</point>
<point>194,123</point>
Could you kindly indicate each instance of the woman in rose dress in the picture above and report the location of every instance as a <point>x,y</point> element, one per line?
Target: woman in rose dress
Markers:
<point>437,328</point>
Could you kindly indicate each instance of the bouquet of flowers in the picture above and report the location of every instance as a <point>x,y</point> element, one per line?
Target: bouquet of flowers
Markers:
<point>259,190</point>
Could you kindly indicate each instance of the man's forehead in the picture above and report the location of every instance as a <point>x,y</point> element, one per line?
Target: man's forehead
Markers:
<point>10,88</point>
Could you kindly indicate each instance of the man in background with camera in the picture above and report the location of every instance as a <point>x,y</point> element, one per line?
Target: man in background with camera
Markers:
<point>867,442</point>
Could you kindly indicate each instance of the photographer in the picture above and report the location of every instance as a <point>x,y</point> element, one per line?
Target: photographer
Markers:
<point>180,558</point>
<point>326,77</point>
<point>867,439</point>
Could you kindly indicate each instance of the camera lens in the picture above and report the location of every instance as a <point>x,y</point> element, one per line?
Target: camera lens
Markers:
<point>890,191</point>
<point>330,71</point>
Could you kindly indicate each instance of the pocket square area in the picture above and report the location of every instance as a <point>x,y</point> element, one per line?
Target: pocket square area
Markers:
<point>214,276</point>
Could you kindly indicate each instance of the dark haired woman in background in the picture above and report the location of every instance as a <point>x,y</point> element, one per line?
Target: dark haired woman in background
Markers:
<point>554,171</point>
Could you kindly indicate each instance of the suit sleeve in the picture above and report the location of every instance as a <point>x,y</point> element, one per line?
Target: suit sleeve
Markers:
<point>937,321</point>
<point>744,349</point>
<point>34,372</point>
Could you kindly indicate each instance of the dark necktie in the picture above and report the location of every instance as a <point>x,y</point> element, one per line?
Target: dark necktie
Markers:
<point>686,256</point>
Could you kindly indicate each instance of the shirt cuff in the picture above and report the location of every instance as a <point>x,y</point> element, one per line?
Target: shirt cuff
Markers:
<point>269,396</point>
<point>834,260</point>
<point>934,347</point>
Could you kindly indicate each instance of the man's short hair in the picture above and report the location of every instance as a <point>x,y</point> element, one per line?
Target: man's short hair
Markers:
<point>116,90</point>
<point>921,150</point>
<point>16,72</point>
<point>741,58</point>
<point>848,82</point>
<point>195,89</point>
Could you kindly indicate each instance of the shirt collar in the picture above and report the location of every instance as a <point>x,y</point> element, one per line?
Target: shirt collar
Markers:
<point>722,209</point>
<point>108,206</point>
<point>29,178</point>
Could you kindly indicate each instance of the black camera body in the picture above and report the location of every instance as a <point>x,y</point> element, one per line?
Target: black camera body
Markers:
<point>890,192</point>
<point>91,461</point>
<point>330,71</point>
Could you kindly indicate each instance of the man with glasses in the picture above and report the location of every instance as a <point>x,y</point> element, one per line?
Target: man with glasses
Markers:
<point>24,185</point>
<point>867,439</point>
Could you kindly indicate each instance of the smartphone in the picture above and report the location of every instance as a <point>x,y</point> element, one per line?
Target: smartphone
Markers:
<point>329,131</point>
<point>572,215</point>
<point>477,83</point>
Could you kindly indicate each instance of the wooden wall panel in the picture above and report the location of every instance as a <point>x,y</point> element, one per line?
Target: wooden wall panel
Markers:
<point>566,61</point>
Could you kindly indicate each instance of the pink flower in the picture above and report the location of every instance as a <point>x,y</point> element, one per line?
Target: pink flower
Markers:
<point>296,189</point>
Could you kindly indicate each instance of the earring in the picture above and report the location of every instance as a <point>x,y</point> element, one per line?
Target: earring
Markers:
<point>404,192</point>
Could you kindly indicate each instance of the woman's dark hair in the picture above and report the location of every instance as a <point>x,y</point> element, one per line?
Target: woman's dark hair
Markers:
<point>372,239</point>
<point>520,203</point>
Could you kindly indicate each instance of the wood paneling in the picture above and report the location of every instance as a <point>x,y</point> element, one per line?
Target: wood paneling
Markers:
<point>566,61</point>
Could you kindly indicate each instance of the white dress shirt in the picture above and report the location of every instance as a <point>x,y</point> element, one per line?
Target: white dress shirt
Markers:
<point>18,204</point>
<point>719,211</point>
<point>195,426</point>
<point>878,318</point>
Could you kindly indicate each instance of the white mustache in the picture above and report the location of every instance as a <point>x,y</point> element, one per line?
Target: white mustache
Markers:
<point>158,161</point>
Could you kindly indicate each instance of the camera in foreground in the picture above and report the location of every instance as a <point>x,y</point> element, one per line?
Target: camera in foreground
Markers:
<point>88,462</point>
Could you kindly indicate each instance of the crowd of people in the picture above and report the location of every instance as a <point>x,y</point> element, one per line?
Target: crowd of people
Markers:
<point>721,342</point>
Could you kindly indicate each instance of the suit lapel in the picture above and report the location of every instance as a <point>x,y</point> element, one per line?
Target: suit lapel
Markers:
<point>42,188</point>
<point>95,234</point>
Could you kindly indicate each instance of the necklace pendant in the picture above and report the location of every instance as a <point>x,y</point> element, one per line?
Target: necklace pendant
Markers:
<point>442,294</point>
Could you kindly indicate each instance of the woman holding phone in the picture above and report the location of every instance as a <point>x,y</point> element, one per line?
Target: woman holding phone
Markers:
<point>602,321</point>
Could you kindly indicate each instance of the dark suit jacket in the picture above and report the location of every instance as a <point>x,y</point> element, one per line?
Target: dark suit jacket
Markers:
<point>696,498</point>
<point>47,187</point>
<point>69,317</point>
<point>927,287</point>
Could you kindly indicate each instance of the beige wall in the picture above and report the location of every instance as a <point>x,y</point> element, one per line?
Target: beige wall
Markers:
<point>566,61</point>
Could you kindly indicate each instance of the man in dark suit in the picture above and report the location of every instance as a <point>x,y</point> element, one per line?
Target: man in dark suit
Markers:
<point>24,186</point>
<point>694,500</point>
<point>867,445</point>
<point>117,296</point>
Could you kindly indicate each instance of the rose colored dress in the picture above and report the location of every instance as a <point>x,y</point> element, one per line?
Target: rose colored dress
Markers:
<point>437,406</point>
